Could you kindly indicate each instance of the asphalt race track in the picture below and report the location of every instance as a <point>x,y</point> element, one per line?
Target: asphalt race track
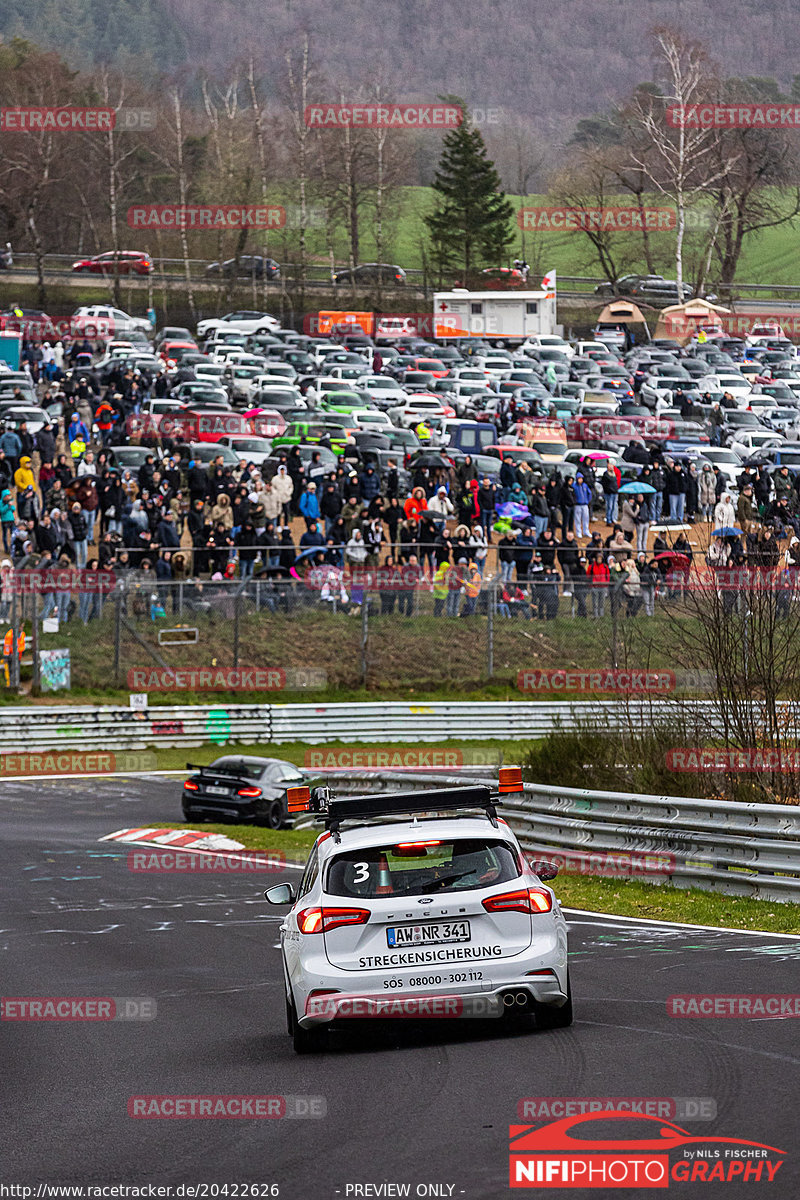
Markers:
<point>412,1106</point>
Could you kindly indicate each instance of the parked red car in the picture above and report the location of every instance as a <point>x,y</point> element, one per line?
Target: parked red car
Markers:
<point>122,262</point>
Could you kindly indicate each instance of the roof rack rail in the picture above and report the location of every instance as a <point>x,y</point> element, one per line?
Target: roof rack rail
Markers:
<point>323,805</point>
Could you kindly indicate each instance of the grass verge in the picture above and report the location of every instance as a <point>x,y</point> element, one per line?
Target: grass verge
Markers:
<point>304,755</point>
<point>623,898</point>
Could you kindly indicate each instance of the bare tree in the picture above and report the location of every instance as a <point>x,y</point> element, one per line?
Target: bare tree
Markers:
<point>299,75</point>
<point>590,186</point>
<point>683,162</point>
<point>183,190</point>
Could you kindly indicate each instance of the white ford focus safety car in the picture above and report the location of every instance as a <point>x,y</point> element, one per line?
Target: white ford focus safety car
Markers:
<point>420,915</point>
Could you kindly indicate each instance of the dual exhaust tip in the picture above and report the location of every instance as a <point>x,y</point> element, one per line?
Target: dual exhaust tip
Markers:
<point>521,999</point>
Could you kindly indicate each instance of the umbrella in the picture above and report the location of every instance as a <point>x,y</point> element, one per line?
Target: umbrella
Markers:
<point>637,489</point>
<point>309,551</point>
<point>430,460</point>
<point>517,512</point>
<point>675,555</point>
<point>727,531</point>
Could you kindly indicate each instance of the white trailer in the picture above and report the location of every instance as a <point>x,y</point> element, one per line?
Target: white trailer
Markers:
<point>496,316</point>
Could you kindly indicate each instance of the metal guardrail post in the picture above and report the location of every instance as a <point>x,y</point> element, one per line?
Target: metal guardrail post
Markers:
<point>236,599</point>
<point>15,623</point>
<point>364,640</point>
<point>37,673</point>
<point>117,636</point>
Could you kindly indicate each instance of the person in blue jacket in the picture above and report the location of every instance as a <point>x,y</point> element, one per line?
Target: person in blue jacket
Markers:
<point>77,428</point>
<point>6,518</point>
<point>583,506</point>
<point>309,505</point>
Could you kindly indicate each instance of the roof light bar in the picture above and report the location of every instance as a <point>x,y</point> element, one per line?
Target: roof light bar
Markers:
<point>298,799</point>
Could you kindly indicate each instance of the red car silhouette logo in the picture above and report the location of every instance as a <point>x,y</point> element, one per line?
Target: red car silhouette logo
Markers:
<point>557,1136</point>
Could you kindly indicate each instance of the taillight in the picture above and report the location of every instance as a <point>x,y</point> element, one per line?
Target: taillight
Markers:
<point>322,920</point>
<point>249,791</point>
<point>191,787</point>
<point>527,900</point>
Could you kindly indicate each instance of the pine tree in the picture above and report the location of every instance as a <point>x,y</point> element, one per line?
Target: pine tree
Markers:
<point>471,223</point>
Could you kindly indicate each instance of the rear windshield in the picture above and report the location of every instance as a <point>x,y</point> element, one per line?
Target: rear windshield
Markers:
<point>237,766</point>
<point>417,868</point>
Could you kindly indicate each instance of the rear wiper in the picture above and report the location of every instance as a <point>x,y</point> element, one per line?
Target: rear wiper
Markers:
<point>436,883</point>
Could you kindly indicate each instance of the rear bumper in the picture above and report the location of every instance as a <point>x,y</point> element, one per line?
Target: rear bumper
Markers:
<point>217,806</point>
<point>320,989</point>
<point>513,996</point>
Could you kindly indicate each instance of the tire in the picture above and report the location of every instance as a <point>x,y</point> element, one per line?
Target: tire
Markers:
<point>305,1041</point>
<point>549,1017</point>
<point>269,813</point>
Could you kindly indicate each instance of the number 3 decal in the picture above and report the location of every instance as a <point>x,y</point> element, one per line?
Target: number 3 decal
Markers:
<point>362,874</point>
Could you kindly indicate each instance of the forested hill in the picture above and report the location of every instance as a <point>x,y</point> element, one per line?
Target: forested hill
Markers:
<point>551,62</point>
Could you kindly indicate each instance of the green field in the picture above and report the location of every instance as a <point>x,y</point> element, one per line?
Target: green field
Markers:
<point>770,256</point>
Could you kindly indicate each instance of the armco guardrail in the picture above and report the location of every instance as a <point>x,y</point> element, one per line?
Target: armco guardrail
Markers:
<point>35,727</point>
<point>739,849</point>
<point>89,728</point>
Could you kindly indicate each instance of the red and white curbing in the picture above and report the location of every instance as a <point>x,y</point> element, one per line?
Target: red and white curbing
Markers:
<point>184,839</point>
<point>206,846</point>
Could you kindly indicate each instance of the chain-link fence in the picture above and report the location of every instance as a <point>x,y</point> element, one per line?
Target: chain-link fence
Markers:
<point>334,631</point>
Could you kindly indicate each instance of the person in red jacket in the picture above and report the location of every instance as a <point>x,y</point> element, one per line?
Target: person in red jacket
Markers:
<point>416,503</point>
<point>104,418</point>
<point>599,578</point>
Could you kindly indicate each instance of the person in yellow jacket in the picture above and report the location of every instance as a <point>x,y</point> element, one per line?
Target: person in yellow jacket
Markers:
<point>23,476</point>
<point>78,448</point>
<point>472,589</point>
<point>423,431</point>
<point>440,587</point>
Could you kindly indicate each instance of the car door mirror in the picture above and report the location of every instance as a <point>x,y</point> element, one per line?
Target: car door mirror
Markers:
<point>281,893</point>
<point>540,866</point>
